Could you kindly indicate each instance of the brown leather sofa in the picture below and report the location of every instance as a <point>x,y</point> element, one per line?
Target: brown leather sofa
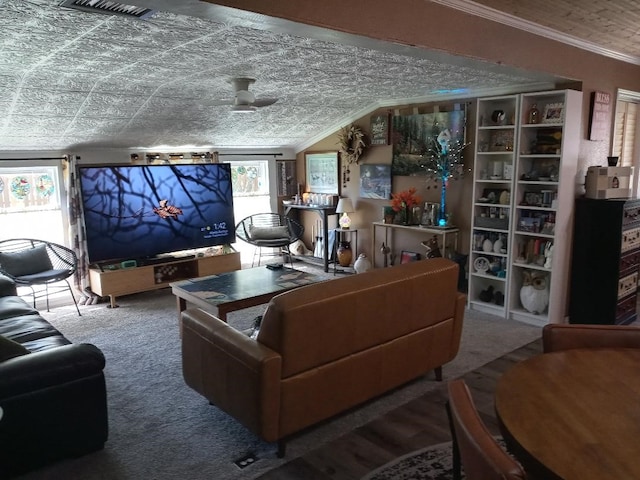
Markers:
<point>327,347</point>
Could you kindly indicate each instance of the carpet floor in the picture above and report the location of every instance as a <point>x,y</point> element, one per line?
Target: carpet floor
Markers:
<point>161,429</point>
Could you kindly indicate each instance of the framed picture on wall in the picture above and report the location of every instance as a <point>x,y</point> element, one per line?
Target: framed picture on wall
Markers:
<point>322,172</point>
<point>380,128</point>
<point>375,181</point>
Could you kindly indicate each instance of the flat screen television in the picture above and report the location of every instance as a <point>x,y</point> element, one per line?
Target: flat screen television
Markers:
<point>136,212</point>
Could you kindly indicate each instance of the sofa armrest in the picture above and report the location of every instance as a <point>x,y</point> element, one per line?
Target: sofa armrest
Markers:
<point>7,286</point>
<point>49,368</point>
<point>234,372</point>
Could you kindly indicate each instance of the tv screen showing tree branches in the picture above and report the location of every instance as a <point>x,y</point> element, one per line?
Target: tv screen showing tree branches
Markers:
<point>140,211</point>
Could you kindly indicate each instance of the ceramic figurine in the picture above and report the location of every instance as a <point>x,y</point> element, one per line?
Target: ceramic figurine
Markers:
<point>534,294</point>
<point>486,295</point>
<point>548,256</point>
<point>433,250</point>
<point>362,264</point>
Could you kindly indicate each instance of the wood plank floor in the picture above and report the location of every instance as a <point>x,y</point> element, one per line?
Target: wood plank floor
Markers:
<point>417,424</point>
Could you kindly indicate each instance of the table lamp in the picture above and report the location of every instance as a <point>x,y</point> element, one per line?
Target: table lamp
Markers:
<point>344,207</point>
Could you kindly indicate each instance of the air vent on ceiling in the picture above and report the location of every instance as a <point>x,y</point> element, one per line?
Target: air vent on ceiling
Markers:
<point>110,8</point>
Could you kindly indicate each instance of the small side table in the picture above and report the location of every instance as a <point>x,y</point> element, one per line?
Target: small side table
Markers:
<point>345,235</point>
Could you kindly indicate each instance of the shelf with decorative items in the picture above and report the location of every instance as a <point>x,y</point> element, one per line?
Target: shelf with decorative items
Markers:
<point>548,138</point>
<point>493,177</point>
<point>489,261</point>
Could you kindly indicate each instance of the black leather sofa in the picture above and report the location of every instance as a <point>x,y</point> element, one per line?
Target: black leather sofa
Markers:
<point>52,392</point>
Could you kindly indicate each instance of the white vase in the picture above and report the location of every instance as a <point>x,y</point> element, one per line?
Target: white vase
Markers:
<point>487,245</point>
<point>362,264</point>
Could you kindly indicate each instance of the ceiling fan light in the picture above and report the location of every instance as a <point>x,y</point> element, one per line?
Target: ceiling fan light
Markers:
<point>244,97</point>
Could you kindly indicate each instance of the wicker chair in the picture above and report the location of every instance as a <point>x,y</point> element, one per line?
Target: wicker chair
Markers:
<point>30,263</point>
<point>269,230</point>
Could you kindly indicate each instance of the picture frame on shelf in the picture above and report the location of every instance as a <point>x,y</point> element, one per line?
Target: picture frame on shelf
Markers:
<point>553,113</point>
<point>529,224</point>
<point>408,257</point>
<point>322,173</point>
<point>533,199</point>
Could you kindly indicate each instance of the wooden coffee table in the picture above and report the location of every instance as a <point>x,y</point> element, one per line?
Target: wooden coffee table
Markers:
<point>231,291</point>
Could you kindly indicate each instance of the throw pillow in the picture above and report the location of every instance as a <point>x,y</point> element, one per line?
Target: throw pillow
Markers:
<point>26,262</point>
<point>10,349</point>
<point>268,233</point>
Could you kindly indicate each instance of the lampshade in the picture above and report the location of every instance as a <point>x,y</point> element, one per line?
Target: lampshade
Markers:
<point>345,206</point>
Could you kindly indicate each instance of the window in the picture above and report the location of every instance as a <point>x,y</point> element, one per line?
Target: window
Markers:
<point>30,203</point>
<point>250,179</point>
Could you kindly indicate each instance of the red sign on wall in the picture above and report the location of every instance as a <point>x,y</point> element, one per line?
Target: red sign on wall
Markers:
<point>599,120</point>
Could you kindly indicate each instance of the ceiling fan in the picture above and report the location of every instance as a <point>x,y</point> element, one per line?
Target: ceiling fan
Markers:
<point>244,100</point>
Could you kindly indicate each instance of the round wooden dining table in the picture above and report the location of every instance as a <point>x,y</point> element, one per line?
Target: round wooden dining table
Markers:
<point>574,414</point>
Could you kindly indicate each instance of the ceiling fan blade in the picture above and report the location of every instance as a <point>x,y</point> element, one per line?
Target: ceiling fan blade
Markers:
<point>264,102</point>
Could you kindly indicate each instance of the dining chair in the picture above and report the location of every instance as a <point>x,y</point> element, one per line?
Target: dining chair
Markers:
<point>31,262</point>
<point>269,230</point>
<point>474,448</point>
<point>557,337</point>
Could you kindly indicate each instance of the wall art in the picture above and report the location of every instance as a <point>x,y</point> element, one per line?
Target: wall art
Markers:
<point>413,136</point>
<point>375,181</point>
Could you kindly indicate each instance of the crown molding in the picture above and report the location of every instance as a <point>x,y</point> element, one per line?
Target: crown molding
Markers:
<point>473,8</point>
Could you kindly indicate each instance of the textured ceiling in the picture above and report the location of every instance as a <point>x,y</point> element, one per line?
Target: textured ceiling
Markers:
<point>71,79</point>
<point>613,25</point>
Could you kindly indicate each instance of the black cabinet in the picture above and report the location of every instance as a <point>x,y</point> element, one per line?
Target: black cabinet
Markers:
<point>605,261</point>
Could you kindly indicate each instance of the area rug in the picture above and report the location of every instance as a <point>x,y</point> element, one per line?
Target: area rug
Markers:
<point>161,429</point>
<point>430,463</point>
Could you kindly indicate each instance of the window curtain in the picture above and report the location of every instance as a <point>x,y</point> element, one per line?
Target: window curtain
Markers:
<point>77,234</point>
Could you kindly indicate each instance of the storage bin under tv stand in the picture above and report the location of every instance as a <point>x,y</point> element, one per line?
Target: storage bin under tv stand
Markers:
<point>117,281</point>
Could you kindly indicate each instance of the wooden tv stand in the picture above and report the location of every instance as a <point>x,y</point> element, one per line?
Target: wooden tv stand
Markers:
<point>125,281</point>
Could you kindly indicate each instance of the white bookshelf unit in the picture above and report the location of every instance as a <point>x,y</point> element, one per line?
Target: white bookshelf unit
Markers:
<point>537,197</point>
<point>492,209</point>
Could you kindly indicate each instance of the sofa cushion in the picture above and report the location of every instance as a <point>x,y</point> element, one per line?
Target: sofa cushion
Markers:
<point>268,233</point>
<point>7,286</point>
<point>26,262</point>
<point>26,328</point>
<point>10,349</point>
<point>14,306</point>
